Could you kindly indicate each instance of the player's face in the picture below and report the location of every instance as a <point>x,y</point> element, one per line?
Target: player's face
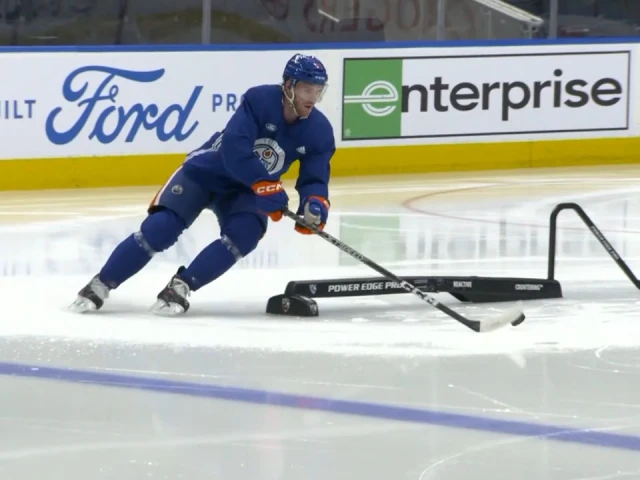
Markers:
<point>306,96</point>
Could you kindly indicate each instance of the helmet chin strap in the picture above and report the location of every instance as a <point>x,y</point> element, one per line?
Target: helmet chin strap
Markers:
<point>290,99</point>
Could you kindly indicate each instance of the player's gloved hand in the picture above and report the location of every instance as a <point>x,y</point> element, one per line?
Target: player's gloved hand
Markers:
<point>314,211</point>
<point>271,198</point>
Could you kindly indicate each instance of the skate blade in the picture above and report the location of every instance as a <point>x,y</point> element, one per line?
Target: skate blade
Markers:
<point>82,305</point>
<point>164,309</point>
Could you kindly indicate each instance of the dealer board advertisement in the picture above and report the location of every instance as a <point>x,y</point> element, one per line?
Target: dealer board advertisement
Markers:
<point>61,104</point>
<point>489,94</point>
<point>123,103</point>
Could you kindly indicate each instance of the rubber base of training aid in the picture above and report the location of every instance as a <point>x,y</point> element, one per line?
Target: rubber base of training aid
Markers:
<point>292,305</point>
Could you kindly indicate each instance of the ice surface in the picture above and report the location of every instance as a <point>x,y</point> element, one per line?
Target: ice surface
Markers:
<point>564,383</point>
<point>494,226</point>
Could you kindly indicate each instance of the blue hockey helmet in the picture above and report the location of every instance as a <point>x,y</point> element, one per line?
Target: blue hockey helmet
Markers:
<point>305,68</point>
<point>308,69</point>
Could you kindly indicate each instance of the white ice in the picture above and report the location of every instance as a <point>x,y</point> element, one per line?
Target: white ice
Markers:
<point>491,224</point>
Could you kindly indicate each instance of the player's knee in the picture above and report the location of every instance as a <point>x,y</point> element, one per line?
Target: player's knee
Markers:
<point>159,231</point>
<point>242,234</point>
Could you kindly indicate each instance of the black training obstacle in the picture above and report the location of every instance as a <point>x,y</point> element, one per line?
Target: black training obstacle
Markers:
<point>298,297</point>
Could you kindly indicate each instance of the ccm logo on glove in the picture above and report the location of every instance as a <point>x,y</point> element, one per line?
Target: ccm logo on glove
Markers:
<point>267,188</point>
<point>271,198</point>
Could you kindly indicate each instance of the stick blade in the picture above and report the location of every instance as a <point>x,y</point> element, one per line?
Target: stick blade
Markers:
<point>514,316</point>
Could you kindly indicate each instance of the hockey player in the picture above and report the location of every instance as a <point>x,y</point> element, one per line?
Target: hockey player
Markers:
<point>236,174</point>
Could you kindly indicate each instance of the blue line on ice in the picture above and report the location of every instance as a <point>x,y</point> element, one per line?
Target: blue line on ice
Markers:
<point>345,407</point>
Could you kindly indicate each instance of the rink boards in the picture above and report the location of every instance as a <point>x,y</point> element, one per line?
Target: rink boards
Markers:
<point>98,116</point>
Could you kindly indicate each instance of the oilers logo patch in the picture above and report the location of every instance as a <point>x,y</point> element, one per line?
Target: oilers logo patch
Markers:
<point>270,153</point>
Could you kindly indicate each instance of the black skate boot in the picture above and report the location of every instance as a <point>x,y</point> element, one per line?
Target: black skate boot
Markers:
<point>172,300</point>
<point>91,297</point>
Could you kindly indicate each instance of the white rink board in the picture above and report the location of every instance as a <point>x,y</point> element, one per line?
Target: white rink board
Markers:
<point>161,102</point>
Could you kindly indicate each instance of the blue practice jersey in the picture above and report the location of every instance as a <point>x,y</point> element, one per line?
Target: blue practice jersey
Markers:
<point>258,144</point>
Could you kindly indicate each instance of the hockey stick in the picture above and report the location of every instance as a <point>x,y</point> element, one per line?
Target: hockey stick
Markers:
<point>514,317</point>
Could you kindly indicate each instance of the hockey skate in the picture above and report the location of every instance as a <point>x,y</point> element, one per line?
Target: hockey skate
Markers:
<point>172,300</point>
<point>91,297</point>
